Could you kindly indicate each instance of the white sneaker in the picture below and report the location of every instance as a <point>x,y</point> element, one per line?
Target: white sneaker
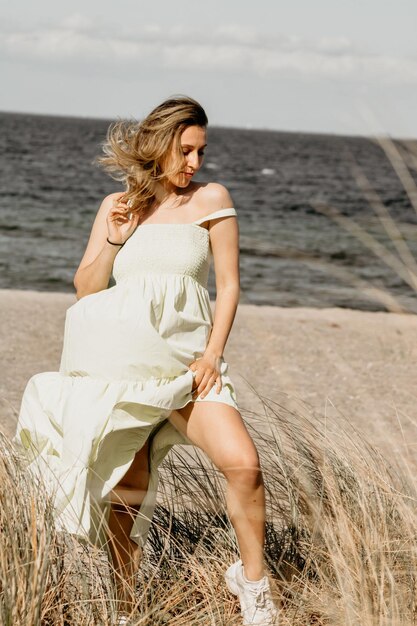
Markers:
<point>255,597</point>
<point>122,620</point>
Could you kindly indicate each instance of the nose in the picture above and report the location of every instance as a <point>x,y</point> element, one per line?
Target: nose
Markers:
<point>193,160</point>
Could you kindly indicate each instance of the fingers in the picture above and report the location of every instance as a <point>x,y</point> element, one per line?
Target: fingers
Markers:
<point>203,383</point>
<point>120,208</point>
<point>122,213</point>
<point>119,216</point>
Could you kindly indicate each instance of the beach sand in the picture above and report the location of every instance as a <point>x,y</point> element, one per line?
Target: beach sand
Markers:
<point>341,363</point>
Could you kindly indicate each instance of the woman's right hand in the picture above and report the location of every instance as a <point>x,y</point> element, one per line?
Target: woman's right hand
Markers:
<point>119,225</point>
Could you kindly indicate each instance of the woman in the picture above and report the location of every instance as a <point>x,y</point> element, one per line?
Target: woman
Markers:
<point>142,365</point>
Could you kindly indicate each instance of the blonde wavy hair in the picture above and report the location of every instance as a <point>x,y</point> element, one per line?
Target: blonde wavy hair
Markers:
<point>138,153</point>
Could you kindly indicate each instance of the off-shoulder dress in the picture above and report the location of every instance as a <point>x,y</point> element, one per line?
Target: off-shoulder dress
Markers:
<point>124,368</point>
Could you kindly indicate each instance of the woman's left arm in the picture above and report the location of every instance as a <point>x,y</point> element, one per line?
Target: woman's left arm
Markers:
<point>224,238</point>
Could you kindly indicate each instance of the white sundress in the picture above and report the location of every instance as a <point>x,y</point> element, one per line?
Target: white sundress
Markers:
<point>124,368</point>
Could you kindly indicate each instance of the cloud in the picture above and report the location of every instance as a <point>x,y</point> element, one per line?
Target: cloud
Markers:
<point>229,48</point>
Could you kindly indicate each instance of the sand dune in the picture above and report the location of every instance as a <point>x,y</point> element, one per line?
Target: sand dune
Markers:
<point>362,365</point>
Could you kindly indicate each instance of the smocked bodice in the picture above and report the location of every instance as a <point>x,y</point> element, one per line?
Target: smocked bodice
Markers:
<point>165,249</point>
<point>168,249</point>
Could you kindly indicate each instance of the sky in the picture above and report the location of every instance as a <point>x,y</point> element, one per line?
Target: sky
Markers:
<point>324,66</point>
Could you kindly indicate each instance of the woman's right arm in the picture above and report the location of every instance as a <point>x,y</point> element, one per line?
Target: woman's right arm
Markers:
<point>93,273</point>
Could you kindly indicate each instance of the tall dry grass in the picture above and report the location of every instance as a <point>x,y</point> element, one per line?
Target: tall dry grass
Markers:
<point>341,538</point>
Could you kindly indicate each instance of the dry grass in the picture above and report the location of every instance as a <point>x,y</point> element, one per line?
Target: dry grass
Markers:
<point>341,538</point>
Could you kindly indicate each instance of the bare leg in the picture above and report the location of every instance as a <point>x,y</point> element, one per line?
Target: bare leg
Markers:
<point>126,498</point>
<point>218,429</point>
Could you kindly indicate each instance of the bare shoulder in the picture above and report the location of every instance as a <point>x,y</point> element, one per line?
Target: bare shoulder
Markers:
<point>115,195</point>
<point>108,200</point>
<point>215,196</point>
<point>106,205</point>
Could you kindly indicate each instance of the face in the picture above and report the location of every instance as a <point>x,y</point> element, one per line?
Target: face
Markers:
<point>193,143</point>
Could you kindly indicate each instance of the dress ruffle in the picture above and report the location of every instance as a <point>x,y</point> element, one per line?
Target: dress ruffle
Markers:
<point>80,434</point>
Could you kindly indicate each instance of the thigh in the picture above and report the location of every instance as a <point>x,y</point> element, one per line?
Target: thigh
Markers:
<point>218,429</point>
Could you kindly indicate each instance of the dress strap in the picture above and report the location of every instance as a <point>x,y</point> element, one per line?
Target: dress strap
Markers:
<point>219,213</point>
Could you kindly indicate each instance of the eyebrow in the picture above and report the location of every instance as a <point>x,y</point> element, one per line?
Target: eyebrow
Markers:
<point>187,145</point>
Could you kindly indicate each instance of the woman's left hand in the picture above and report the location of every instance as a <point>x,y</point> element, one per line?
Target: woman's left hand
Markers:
<point>207,374</point>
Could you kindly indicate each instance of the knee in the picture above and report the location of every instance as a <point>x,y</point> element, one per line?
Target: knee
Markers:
<point>130,491</point>
<point>123,497</point>
<point>244,471</point>
<point>137,482</point>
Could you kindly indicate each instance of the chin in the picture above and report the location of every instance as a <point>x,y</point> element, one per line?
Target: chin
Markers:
<point>183,182</point>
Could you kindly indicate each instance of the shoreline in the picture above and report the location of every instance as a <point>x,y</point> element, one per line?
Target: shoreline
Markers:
<point>332,361</point>
<point>35,293</point>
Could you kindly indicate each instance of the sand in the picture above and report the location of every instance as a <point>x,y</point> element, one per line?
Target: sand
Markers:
<point>342,363</point>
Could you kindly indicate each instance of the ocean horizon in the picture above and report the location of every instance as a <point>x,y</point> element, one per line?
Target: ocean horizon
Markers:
<point>291,254</point>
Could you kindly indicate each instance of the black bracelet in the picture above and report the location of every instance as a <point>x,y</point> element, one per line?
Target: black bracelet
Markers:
<point>115,244</point>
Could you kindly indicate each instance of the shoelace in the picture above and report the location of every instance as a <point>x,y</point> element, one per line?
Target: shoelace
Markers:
<point>260,600</point>
<point>261,597</point>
